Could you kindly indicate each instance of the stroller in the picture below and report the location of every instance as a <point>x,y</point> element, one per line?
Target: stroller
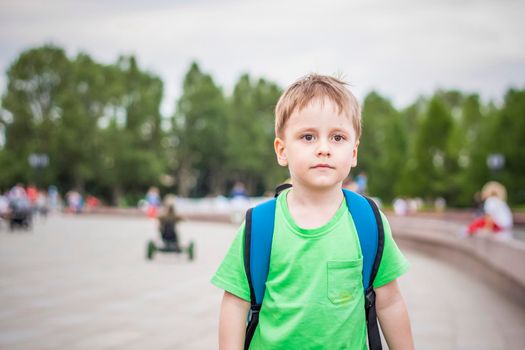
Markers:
<point>20,214</point>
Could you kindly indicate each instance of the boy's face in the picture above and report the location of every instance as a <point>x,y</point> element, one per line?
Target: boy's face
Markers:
<point>318,145</point>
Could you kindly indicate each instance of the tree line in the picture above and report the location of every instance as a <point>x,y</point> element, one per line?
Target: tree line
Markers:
<point>102,132</point>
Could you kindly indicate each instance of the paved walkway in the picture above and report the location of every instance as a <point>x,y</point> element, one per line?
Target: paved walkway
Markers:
<point>83,283</point>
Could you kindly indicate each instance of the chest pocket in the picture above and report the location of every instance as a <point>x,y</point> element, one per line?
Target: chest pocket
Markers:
<point>344,280</point>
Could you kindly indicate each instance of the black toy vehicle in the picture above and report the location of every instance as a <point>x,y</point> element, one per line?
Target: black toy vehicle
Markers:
<point>170,243</point>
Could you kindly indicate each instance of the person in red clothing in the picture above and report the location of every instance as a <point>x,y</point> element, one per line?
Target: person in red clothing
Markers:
<point>498,216</point>
<point>32,194</point>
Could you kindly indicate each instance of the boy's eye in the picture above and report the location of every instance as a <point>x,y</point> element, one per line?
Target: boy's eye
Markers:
<point>308,137</point>
<point>338,138</point>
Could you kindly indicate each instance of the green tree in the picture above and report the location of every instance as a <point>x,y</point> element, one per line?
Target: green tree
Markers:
<point>429,176</point>
<point>199,128</point>
<point>63,108</point>
<point>383,146</point>
<point>33,106</point>
<point>411,118</point>
<point>251,158</point>
<point>507,138</point>
<point>76,151</point>
<point>466,141</point>
<point>130,139</point>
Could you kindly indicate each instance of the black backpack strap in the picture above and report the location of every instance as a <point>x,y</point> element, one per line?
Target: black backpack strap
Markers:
<point>374,338</point>
<point>281,188</point>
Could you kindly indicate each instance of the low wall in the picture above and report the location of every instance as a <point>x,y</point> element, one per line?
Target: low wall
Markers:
<point>501,263</point>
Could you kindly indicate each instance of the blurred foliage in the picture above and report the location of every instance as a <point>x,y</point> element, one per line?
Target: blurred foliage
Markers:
<point>200,133</point>
<point>98,124</point>
<point>101,127</point>
<point>250,155</point>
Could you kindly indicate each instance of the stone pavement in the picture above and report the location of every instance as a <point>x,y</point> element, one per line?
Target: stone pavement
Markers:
<point>83,283</point>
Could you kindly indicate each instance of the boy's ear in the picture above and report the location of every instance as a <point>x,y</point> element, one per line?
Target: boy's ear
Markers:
<point>280,151</point>
<point>354,154</point>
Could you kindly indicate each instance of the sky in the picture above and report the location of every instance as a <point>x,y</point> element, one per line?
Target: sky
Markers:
<point>402,49</point>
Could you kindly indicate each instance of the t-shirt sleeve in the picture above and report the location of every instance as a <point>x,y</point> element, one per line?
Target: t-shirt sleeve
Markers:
<point>393,263</point>
<point>231,275</point>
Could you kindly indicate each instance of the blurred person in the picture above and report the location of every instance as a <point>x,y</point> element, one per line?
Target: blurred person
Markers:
<point>361,181</point>
<point>75,202</point>
<point>32,195</point>
<point>498,216</point>
<point>17,191</point>
<point>400,206</point>
<point>92,202</point>
<point>153,202</point>
<point>168,227</point>
<point>350,184</point>
<point>414,204</point>
<point>41,204</point>
<point>314,295</point>
<point>239,202</point>
<point>238,190</point>
<point>20,211</point>
<point>4,206</point>
<point>53,197</point>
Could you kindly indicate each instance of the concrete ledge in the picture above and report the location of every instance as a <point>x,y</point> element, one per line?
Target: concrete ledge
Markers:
<point>135,212</point>
<point>499,263</point>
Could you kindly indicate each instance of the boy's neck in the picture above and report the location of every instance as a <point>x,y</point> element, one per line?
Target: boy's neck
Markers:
<point>311,209</point>
<point>315,198</point>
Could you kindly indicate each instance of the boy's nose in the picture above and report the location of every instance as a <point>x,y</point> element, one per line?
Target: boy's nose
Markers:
<point>323,149</point>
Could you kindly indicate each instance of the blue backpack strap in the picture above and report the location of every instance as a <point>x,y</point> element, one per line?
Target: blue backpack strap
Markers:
<point>366,215</point>
<point>369,226</point>
<point>258,235</point>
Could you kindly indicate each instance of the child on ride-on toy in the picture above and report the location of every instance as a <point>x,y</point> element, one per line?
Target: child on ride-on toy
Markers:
<point>170,241</point>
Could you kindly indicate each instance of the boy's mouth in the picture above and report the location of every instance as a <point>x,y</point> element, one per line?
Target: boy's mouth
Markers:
<point>322,166</point>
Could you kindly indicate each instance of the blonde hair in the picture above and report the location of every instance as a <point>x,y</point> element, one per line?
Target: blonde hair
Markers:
<point>494,189</point>
<point>317,87</point>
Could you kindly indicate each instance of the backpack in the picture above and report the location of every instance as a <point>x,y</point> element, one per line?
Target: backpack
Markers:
<point>257,247</point>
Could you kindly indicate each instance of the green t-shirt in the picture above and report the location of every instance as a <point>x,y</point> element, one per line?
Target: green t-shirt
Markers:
<point>314,292</point>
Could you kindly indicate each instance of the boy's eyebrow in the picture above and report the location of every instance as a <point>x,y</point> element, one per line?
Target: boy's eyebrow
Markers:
<point>306,128</point>
<point>314,129</point>
<point>343,130</point>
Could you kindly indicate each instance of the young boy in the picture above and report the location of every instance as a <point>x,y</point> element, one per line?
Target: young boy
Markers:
<point>314,292</point>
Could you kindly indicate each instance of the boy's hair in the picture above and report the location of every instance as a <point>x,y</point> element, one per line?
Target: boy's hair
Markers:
<point>311,87</point>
